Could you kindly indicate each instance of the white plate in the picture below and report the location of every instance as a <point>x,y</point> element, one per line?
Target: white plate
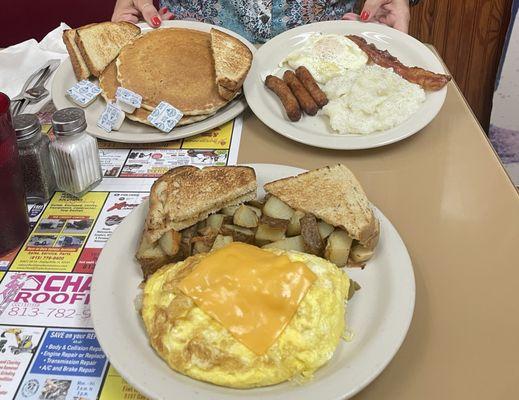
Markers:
<point>316,131</point>
<point>134,132</point>
<point>379,316</point>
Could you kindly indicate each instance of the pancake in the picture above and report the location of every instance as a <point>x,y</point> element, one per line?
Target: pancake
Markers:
<point>108,83</point>
<point>174,65</point>
<point>194,344</point>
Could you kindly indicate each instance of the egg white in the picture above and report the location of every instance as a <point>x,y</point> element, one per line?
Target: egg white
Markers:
<point>327,56</point>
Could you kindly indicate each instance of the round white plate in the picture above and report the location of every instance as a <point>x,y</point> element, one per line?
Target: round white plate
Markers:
<point>379,316</point>
<point>316,131</point>
<point>134,132</point>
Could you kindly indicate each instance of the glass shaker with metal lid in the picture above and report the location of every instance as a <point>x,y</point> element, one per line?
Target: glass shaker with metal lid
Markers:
<point>33,148</point>
<point>74,153</point>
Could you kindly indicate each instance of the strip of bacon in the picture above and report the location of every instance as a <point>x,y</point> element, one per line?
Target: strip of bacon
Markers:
<point>426,79</point>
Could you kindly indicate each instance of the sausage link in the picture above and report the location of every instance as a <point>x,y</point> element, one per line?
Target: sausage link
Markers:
<point>280,88</point>
<point>303,97</point>
<point>311,85</point>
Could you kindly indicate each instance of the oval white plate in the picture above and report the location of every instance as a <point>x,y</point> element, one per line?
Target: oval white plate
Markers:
<point>316,131</point>
<point>379,316</point>
<point>134,132</point>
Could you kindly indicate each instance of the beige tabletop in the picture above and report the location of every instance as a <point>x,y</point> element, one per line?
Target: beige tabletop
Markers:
<point>446,192</point>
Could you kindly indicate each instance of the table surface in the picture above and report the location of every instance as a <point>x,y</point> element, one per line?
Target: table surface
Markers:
<point>449,197</point>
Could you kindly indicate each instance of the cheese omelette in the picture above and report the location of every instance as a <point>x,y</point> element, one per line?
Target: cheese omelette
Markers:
<point>195,344</point>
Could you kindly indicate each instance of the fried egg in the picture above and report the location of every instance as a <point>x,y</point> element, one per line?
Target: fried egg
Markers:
<point>327,56</point>
<point>370,99</point>
<point>194,344</point>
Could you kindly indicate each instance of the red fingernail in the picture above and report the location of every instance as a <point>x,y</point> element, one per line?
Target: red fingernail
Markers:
<point>172,16</point>
<point>163,10</point>
<point>155,21</point>
<point>364,15</point>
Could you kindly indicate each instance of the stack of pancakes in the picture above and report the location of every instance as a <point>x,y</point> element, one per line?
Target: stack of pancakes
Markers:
<point>174,65</point>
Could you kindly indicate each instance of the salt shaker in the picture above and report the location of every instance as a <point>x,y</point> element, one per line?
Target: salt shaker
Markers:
<point>33,148</point>
<point>74,153</point>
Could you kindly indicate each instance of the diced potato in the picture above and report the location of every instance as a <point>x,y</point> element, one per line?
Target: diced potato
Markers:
<point>221,241</point>
<point>261,242</point>
<point>275,208</point>
<point>324,229</point>
<point>292,243</point>
<point>170,242</point>
<point>229,210</point>
<point>360,254</point>
<point>215,221</point>
<point>268,233</point>
<point>276,223</point>
<point>294,227</point>
<point>245,217</point>
<point>201,247</point>
<point>238,233</point>
<point>338,247</point>
<point>256,204</point>
<point>256,210</point>
<point>311,237</point>
<point>208,231</point>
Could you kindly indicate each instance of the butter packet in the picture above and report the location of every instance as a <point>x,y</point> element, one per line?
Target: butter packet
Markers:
<point>111,118</point>
<point>165,117</point>
<point>127,100</point>
<point>83,93</point>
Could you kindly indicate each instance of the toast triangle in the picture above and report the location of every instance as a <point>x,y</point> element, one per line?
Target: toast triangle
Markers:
<point>332,194</point>
<point>186,195</point>
<point>99,44</point>
<point>232,61</point>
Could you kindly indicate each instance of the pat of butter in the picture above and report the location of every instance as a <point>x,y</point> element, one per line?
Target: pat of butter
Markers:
<point>83,93</point>
<point>127,100</point>
<point>252,292</point>
<point>111,118</point>
<point>165,117</point>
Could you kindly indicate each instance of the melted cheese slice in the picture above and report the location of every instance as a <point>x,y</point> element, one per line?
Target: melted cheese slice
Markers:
<point>253,293</point>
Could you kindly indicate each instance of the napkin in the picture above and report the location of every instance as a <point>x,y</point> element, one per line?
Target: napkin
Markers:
<point>18,62</point>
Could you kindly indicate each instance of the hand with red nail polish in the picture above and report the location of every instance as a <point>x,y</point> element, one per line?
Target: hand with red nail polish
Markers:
<point>133,10</point>
<point>394,13</point>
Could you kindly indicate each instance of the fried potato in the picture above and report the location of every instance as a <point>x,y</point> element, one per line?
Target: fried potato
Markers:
<point>170,242</point>
<point>238,233</point>
<point>291,243</point>
<point>324,229</point>
<point>215,221</point>
<point>268,233</point>
<point>313,242</point>
<point>294,227</point>
<point>275,208</point>
<point>338,247</point>
<point>221,241</point>
<point>360,254</point>
<point>245,217</point>
<point>256,204</point>
<point>276,223</point>
<point>201,247</point>
<point>256,210</point>
<point>230,210</point>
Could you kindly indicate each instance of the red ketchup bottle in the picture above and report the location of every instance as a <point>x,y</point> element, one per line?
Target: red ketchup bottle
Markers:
<point>14,221</point>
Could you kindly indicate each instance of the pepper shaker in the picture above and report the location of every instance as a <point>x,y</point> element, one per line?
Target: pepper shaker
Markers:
<point>74,153</point>
<point>33,148</point>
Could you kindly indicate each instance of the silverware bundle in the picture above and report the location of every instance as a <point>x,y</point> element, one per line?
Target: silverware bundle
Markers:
<point>34,90</point>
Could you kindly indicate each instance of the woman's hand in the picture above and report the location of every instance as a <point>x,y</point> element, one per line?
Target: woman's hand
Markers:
<point>394,13</point>
<point>133,10</point>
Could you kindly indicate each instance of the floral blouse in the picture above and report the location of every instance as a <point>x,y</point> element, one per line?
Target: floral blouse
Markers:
<point>259,20</point>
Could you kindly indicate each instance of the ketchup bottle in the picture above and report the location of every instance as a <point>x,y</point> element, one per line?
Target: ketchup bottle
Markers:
<point>14,220</point>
